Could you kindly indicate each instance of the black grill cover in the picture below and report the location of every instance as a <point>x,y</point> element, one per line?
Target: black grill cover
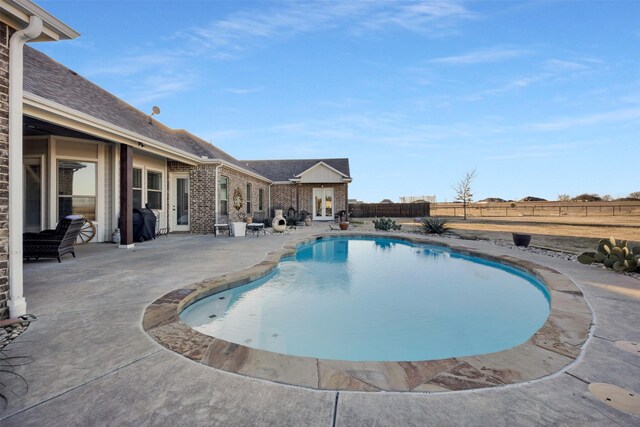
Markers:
<point>144,225</point>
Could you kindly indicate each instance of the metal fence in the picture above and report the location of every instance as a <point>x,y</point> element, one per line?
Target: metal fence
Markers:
<point>390,210</point>
<point>514,209</point>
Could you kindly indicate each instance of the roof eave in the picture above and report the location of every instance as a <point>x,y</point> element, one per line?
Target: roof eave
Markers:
<point>18,13</point>
<point>44,109</point>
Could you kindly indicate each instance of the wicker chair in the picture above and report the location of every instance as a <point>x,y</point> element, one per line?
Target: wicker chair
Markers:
<point>53,243</point>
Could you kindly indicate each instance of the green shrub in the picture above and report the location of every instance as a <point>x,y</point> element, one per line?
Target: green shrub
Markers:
<point>385,224</point>
<point>619,255</point>
<point>434,225</point>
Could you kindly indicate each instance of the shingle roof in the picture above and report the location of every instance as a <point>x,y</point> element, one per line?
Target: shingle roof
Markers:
<point>283,170</point>
<point>51,80</point>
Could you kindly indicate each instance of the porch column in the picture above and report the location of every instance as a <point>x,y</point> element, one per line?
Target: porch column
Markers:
<point>126,196</point>
<point>346,201</point>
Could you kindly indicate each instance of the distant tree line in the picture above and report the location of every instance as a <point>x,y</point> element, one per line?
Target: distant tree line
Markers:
<point>592,197</point>
<point>586,197</point>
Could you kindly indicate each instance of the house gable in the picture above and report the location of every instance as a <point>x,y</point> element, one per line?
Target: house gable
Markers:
<point>320,173</point>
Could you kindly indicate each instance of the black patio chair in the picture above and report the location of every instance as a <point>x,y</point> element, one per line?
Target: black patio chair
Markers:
<point>53,243</point>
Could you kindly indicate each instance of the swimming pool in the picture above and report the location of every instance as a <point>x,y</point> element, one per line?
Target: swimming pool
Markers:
<point>377,299</point>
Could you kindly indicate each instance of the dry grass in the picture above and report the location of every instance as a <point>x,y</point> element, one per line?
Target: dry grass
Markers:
<point>569,234</point>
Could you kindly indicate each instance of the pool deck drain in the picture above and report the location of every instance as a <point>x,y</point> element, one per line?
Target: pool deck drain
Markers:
<point>616,397</point>
<point>553,347</point>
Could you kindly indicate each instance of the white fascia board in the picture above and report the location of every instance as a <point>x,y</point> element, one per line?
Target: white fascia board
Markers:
<point>321,163</point>
<point>42,108</point>
<point>18,13</point>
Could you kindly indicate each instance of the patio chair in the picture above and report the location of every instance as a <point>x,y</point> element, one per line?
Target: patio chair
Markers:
<point>53,243</point>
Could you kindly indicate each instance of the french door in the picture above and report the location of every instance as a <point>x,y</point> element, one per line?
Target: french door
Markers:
<point>323,204</point>
<point>180,220</point>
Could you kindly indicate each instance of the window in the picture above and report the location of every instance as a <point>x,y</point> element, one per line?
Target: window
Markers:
<point>224,195</point>
<point>261,199</point>
<point>154,190</point>
<point>137,188</point>
<point>248,198</point>
<point>76,189</point>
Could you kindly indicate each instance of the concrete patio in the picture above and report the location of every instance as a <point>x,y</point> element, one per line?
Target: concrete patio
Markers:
<point>94,365</point>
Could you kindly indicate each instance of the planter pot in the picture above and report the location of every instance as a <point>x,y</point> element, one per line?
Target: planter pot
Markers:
<point>344,225</point>
<point>521,239</point>
<point>239,229</point>
<point>279,224</point>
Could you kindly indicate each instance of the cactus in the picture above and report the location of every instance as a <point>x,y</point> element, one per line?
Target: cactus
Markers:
<point>385,224</point>
<point>620,255</point>
<point>587,258</point>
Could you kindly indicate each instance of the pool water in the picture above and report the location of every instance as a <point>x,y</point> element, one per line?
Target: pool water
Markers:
<point>377,299</point>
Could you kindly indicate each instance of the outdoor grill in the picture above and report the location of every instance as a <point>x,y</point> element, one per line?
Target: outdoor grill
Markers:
<point>144,225</point>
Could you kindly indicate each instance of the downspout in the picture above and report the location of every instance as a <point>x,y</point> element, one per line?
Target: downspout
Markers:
<point>269,213</point>
<point>17,304</point>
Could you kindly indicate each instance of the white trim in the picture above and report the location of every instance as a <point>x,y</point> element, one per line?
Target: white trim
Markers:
<point>320,163</point>
<point>18,13</point>
<point>52,199</point>
<point>41,160</point>
<point>174,176</point>
<point>53,112</point>
<point>324,191</point>
<point>101,195</point>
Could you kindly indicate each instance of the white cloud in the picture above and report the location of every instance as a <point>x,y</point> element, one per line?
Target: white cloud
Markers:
<point>241,91</point>
<point>558,65</point>
<point>229,37</point>
<point>623,115</point>
<point>533,151</point>
<point>481,56</point>
<point>129,65</point>
<point>156,87</point>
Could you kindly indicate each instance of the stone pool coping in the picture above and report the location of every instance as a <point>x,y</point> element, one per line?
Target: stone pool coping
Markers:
<point>554,346</point>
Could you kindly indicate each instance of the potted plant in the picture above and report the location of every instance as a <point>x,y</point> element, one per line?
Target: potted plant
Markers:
<point>521,239</point>
<point>344,224</point>
<point>239,227</point>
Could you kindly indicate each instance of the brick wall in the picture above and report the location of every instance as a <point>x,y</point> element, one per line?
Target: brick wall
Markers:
<point>239,180</point>
<point>300,196</point>
<point>202,197</point>
<point>4,168</point>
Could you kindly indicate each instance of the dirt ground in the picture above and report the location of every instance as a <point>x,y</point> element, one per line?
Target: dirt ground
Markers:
<point>569,234</point>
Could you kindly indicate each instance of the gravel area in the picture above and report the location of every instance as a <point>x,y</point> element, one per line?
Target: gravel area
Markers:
<point>9,333</point>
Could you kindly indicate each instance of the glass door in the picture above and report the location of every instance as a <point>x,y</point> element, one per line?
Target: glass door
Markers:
<point>33,187</point>
<point>180,203</point>
<point>323,204</point>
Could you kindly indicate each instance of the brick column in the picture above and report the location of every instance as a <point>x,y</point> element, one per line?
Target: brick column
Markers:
<point>4,168</point>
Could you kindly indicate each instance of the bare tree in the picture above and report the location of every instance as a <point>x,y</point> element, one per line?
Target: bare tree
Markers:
<point>564,197</point>
<point>607,198</point>
<point>634,195</point>
<point>463,190</point>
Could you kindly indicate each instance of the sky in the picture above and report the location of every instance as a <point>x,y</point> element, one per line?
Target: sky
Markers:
<point>540,98</point>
